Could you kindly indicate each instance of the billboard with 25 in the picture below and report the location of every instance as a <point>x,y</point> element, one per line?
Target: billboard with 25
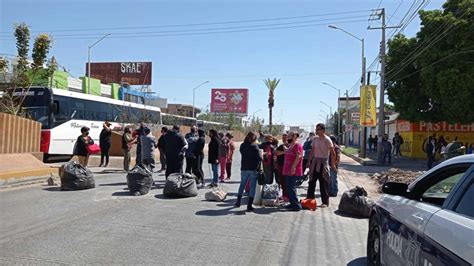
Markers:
<point>133,73</point>
<point>229,101</point>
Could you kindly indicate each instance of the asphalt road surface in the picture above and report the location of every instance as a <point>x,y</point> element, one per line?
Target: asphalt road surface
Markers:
<point>42,225</point>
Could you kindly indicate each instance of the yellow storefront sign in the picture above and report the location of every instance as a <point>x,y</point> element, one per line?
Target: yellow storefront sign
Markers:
<point>367,106</point>
<point>415,136</point>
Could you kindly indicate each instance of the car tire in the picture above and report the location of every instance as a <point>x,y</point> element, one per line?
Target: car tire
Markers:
<point>373,243</point>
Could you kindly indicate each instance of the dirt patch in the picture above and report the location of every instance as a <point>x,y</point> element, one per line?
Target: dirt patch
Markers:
<point>394,175</point>
<point>352,179</point>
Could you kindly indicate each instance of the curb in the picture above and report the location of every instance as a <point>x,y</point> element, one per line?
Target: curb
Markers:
<point>361,161</point>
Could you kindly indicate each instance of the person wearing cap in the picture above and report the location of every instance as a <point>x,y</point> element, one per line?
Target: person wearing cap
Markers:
<point>105,141</point>
<point>148,143</point>
<point>174,146</point>
<point>80,149</point>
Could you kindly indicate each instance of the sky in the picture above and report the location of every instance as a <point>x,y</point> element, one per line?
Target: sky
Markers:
<point>302,57</point>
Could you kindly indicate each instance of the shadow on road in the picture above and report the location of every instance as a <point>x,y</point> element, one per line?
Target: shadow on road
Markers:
<point>362,261</point>
<point>121,193</point>
<point>342,214</point>
<point>232,182</point>
<point>115,184</point>
<point>110,171</point>
<point>221,212</point>
<point>55,189</point>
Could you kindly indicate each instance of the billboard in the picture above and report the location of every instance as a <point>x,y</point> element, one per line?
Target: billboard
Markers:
<point>229,101</point>
<point>133,73</point>
<point>367,106</point>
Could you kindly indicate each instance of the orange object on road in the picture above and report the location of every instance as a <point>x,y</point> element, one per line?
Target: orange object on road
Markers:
<point>308,204</point>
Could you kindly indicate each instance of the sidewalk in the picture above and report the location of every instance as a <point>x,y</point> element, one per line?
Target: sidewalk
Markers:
<point>405,163</point>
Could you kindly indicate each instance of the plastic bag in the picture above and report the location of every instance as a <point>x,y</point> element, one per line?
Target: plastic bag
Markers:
<point>301,179</point>
<point>270,195</point>
<point>216,194</point>
<point>93,149</point>
<point>355,202</point>
<point>76,177</point>
<point>309,204</point>
<point>139,179</point>
<point>180,186</point>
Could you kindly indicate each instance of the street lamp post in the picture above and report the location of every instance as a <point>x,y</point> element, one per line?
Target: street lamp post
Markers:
<point>338,110</point>
<point>363,82</point>
<point>89,62</point>
<point>194,94</point>
<point>330,115</point>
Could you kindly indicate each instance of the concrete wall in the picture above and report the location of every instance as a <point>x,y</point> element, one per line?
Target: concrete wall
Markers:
<point>19,135</point>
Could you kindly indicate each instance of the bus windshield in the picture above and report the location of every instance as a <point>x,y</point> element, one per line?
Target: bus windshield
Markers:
<point>40,114</point>
<point>36,104</point>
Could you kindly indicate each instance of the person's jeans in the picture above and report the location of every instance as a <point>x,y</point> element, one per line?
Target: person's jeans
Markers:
<point>397,150</point>
<point>162,159</point>
<point>222,163</point>
<point>268,172</point>
<point>431,159</point>
<point>215,174</point>
<point>138,158</point>
<point>104,153</point>
<point>189,165</point>
<point>197,169</point>
<point>334,186</point>
<point>387,155</point>
<point>323,186</point>
<point>284,188</point>
<point>292,194</point>
<point>126,159</point>
<point>245,176</point>
<point>228,168</point>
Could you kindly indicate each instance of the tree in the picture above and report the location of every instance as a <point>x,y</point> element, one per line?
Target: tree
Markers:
<point>22,35</point>
<point>15,90</point>
<point>40,51</point>
<point>430,76</point>
<point>271,85</point>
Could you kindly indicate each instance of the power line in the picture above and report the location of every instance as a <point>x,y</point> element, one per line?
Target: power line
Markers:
<point>434,63</point>
<point>212,32</point>
<point>206,24</point>
<point>427,43</point>
<point>407,18</point>
<point>207,29</point>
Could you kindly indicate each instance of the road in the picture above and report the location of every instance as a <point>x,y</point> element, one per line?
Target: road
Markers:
<point>42,225</point>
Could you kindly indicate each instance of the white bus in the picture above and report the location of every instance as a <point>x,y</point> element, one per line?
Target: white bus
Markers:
<point>62,113</point>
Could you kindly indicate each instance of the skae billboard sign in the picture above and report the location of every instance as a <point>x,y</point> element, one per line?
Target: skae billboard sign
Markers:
<point>133,73</point>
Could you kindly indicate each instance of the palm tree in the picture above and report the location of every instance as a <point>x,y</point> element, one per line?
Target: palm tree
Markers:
<point>271,85</point>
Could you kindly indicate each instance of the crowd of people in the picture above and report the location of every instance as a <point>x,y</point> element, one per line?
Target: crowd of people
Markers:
<point>283,163</point>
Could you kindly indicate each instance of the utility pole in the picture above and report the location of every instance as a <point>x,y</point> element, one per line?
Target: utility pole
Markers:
<point>364,128</point>
<point>381,117</point>
<point>347,118</point>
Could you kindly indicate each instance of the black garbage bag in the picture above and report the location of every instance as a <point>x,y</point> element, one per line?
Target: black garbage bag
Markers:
<point>180,186</point>
<point>356,203</point>
<point>76,177</point>
<point>139,179</point>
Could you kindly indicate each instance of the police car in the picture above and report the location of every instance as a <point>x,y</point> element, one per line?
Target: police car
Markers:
<point>429,222</point>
